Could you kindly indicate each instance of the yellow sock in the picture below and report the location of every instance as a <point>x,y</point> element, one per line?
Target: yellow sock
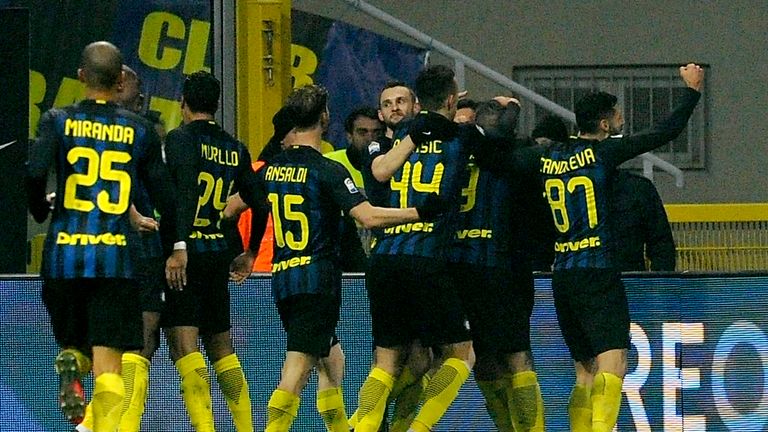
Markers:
<point>136,379</point>
<point>495,394</point>
<point>108,393</point>
<point>87,423</point>
<point>330,405</point>
<point>526,406</point>
<point>231,379</point>
<point>606,401</point>
<point>407,403</point>
<point>283,407</point>
<point>352,421</point>
<point>440,394</point>
<point>580,409</point>
<point>373,400</point>
<point>196,391</point>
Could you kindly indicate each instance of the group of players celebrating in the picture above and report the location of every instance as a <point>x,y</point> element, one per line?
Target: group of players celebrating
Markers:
<point>448,279</point>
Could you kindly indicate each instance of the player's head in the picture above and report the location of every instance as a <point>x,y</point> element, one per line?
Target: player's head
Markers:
<point>596,113</point>
<point>396,102</point>
<point>200,93</point>
<point>129,93</point>
<point>101,65</point>
<point>308,106</point>
<point>437,90</point>
<point>550,127</point>
<point>465,111</point>
<point>363,126</point>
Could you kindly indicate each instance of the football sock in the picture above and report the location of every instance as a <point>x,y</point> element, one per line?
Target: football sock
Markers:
<point>407,402</point>
<point>526,406</point>
<point>440,393</point>
<point>580,409</point>
<point>495,394</point>
<point>136,379</point>
<point>373,400</point>
<point>108,393</point>
<point>330,405</point>
<point>283,407</point>
<point>87,424</point>
<point>231,379</point>
<point>196,391</point>
<point>606,401</point>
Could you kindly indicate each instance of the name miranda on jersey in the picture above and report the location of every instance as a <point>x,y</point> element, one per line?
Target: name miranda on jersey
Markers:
<point>99,131</point>
<point>579,160</point>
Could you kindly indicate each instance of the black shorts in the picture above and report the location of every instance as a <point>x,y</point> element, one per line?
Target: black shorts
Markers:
<point>149,274</point>
<point>592,311</point>
<point>413,298</point>
<point>499,303</point>
<point>204,302</point>
<point>310,322</point>
<point>94,312</point>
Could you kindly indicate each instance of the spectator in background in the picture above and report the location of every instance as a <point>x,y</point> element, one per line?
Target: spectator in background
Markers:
<point>640,225</point>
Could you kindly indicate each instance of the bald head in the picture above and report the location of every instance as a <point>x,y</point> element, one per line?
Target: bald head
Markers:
<point>101,65</point>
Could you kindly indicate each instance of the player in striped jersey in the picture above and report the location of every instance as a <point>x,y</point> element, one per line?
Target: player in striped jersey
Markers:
<point>207,164</point>
<point>589,296</point>
<point>307,194</point>
<point>99,151</point>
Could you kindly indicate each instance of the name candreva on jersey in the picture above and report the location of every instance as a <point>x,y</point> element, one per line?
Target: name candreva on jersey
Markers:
<point>579,160</point>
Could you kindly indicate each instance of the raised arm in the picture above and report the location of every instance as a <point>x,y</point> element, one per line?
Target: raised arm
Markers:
<point>618,150</point>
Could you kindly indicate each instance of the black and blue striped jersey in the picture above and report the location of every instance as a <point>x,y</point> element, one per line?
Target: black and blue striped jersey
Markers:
<point>100,152</point>
<point>486,224</point>
<point>207,165</point>
<point>436,166</point>
<point>306,194</point>
<point>577,177</point>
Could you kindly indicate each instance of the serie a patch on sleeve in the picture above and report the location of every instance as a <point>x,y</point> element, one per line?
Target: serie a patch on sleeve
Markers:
<point>373,147</point>
<point>350,185</point>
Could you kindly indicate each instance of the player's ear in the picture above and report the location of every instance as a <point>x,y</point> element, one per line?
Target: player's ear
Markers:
<point>81,75</point>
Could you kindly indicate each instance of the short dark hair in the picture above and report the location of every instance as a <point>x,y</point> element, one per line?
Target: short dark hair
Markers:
<point>433,86</point>
<point>592,108</point>
<point>201,92</point>
<point>102,64</point>
<point>307,103</point>
<point>467,103</point>
<point>397,83</point>
<point>552,127</point>
<point>365,111</point>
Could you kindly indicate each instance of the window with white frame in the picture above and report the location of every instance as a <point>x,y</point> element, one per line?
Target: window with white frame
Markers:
<point>645,93</point>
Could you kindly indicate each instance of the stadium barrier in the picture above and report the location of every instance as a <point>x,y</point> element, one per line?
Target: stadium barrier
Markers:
<point>699,358</point>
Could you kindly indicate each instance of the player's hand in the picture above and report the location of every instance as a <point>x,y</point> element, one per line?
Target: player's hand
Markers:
<point>141,223</point>
<point>241,266</point>
<point>693,75</point>
<point>176,270</point>
<point>506,100</point>
<point>235,206</point>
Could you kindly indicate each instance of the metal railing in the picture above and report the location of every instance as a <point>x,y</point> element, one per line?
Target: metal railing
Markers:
<point>462,60</point>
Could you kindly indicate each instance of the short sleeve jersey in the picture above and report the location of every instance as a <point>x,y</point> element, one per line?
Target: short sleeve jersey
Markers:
<point>208,165</point>
<point>436,166</point>
<point>99,151</point>
<point>306,194</point>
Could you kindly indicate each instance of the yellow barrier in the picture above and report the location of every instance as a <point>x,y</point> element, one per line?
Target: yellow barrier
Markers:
<point>720,237</point>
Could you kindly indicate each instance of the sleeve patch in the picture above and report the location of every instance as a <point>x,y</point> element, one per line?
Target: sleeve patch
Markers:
<point>350,185</point>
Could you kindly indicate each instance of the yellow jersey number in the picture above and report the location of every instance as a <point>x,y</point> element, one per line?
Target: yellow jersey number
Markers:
<point>412,174</point>
<point>100,166</point>
<point>287,238</point>
<point>213,193</point>
<point>555,190</point>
